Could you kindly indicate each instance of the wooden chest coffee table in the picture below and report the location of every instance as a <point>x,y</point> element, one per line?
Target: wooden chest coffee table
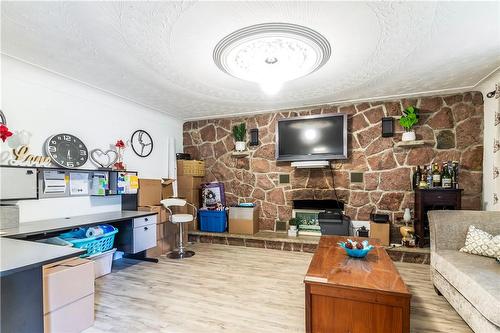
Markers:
<point>354,295</point>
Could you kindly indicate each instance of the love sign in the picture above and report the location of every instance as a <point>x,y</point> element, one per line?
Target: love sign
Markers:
<point>22,157</point>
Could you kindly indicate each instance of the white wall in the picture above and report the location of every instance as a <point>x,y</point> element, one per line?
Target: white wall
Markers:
<point>45,103</point>
<point>491,105</point>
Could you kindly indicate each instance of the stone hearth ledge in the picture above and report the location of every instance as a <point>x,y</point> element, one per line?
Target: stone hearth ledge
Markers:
<point>281,241</point>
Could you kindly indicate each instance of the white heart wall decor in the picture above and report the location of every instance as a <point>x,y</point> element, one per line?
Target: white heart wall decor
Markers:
<point>104,159</point>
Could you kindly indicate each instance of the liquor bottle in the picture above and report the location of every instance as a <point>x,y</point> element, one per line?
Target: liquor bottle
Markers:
<point>436,176</point>
<point>416,177</point>
<point>454,174</point>
<point>446,177</point>
<point>428,173</point>
<point>423,180</point>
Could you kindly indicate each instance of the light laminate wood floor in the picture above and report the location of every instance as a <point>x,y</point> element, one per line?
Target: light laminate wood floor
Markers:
<point>235,289</point>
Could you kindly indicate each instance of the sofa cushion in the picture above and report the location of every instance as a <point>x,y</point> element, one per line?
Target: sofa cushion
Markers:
<point>476,278</point>
<point>481,243</point>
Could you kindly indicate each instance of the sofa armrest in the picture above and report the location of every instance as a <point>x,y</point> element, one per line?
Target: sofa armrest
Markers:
<point>448,228</point>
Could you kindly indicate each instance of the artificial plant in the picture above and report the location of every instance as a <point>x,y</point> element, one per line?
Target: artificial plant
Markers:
<point>409,118</point>
<point>239,132</point>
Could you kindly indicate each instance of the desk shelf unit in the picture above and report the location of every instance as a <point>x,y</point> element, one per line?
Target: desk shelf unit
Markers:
<point>12,178</point>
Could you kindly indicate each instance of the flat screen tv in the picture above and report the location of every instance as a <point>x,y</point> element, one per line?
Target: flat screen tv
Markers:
<point>312,138</point>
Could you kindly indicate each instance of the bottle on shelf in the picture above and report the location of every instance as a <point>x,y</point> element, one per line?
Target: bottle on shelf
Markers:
<point>423,180</point>
<point>436,176</point>
<point>446,180</point>
<point>428,174</point>
<point>454,174</point>
<point>416,177</point>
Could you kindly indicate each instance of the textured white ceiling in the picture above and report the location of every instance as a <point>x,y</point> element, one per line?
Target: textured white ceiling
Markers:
<point>159,54</point>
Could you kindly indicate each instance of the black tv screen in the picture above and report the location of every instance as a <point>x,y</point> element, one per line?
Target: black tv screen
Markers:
<point>312,138</point>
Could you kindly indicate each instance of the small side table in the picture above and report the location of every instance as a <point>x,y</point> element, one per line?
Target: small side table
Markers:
<point>433,199</point>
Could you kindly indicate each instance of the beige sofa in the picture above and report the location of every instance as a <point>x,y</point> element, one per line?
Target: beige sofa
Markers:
<point>470,283</point>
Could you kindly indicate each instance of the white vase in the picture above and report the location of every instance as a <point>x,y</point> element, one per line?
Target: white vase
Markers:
<point>240,146</point>
<point>408,136</point>
<point>407,216</point>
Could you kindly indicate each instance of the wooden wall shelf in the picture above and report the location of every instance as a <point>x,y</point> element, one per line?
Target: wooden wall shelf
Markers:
<point>240,154</point>
<point>413,144</point>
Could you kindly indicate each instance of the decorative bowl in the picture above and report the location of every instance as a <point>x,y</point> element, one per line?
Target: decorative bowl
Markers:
<point>357,253</point>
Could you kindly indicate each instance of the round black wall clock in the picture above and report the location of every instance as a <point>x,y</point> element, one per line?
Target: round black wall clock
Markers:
<point>66,150</point>
<point>142,143</point>
<point>3,120</point>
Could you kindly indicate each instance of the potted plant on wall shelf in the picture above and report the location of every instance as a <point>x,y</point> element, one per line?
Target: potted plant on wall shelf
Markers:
<point>407,121</point>
<point>240,132</point>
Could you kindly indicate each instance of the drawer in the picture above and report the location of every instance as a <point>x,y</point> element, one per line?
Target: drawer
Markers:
<point>74,317</point>
<point>440,198</point>
<point>67,282</point>
<point>144,237</point>
<point>145,220</point>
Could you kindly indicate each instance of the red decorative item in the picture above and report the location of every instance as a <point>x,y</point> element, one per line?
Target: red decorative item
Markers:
<point>4,132</point>
<point>119,166</point>
<point>120,146</point>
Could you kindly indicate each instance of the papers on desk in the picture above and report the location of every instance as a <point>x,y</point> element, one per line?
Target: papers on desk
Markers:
<point>99,183</point>
<point>134,184</point>
<point>54,182</point>
<point>78,183</point>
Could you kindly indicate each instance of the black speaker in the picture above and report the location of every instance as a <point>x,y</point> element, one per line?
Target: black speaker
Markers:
<point>254,137</point>
<point>387,127</point>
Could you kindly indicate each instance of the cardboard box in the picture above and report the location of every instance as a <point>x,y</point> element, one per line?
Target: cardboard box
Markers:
<point>167,235</point>
<point>381,232</point>
<point>243,220</point>
<point>189,182</point>
<point>167,188</point>
<point>190,168</point>
<point>191,196</point>
<point>149,192</point>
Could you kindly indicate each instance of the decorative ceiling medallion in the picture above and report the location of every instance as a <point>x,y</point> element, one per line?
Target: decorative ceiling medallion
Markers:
<point>272,53</point>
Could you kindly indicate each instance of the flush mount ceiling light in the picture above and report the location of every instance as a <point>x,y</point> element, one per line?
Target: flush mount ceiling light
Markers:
<point>271,54</point>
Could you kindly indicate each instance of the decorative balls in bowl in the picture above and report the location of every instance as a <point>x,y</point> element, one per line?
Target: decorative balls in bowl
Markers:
<point>356,249</point>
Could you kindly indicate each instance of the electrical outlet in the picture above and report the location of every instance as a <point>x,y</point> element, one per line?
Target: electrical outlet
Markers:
<point>356,177</point>
<point>284,179</point>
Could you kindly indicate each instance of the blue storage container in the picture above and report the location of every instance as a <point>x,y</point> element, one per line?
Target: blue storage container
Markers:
<point>93,245</point>
<point>213,220</point>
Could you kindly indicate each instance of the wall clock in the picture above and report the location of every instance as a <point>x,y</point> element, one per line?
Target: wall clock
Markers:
<point>3,120</point>
<point>142,143</point>
<point>66,150</point>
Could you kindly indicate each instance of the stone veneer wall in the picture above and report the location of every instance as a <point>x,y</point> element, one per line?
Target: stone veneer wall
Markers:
<point>454,125</point>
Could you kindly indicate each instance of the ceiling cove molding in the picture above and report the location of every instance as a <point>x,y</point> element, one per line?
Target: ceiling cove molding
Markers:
<point>91,86</point>
<point>343,102</point>
<point>250,113</point>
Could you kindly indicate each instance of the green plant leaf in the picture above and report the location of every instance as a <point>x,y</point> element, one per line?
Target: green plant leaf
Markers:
<point>239,132</point>
<point>409,118</point>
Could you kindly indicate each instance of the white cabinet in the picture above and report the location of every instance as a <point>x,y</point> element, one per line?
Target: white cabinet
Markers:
<point>144,237</point>
<point>138,235</point>
<point>68,296</point>
<point>18,183</point>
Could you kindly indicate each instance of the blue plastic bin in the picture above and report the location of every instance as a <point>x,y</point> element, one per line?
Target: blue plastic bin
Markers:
<point>93,245</point>
<point>213,220</point>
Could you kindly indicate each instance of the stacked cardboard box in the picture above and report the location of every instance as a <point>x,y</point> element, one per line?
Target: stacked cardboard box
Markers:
<point>151,192</point>
<point>188,187</point>
<point>190,168</point>
<point>381,232</point>
<point>243,220</point>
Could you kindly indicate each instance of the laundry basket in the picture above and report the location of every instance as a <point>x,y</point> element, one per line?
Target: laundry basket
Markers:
<point>93,245</point>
